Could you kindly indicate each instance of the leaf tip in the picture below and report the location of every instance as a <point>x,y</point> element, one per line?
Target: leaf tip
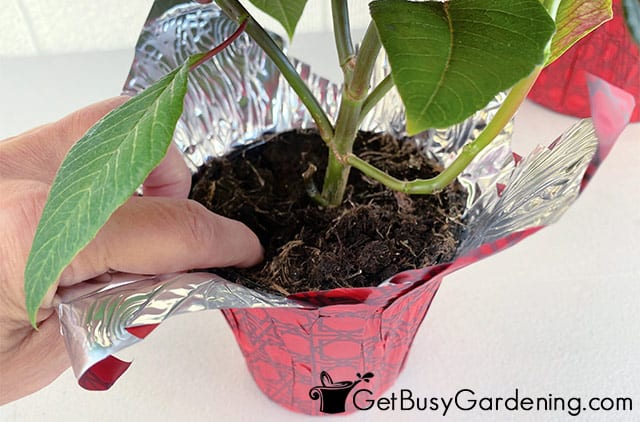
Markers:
<point>32,312</point>
<point>32,321</point>
<point>33,296</point>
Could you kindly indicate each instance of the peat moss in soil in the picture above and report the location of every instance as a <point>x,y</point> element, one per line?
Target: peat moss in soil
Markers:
<point>375,234</point>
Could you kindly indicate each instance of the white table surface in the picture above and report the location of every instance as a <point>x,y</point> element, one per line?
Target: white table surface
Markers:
<point>556,314</point>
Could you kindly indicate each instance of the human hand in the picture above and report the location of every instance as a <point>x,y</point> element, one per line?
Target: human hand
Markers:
<point>161,232</point>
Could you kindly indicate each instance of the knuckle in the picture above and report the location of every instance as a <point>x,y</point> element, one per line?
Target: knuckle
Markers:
<point>200,228</point>
<point>24,202</point>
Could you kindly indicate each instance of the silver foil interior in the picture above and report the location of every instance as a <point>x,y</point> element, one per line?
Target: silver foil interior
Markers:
<point>239,95</point>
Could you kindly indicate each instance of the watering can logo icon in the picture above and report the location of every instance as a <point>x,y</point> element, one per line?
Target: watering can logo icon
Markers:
<point>333,395</point>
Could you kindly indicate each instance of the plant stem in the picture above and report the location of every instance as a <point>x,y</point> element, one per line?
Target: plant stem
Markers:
<point>342,34</point>
<point>425,186</point>
<point>234,10</point>
<point>369,50</point>
<point>224,44</point>
<point>376,95</point>
<point>337,173</point>
<point>552,7</point>
<point>353,96</point>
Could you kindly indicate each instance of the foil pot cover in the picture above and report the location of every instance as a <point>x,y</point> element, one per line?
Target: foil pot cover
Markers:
<point>294,344</point>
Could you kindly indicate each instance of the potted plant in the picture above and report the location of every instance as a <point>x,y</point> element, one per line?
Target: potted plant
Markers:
<point>343,329</point>
<point>612,52</point>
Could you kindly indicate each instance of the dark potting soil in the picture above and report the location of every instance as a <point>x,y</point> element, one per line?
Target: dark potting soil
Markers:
<point>375,234</point>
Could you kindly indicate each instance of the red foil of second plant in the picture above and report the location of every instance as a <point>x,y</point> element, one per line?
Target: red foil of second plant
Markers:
<point>609,53</point>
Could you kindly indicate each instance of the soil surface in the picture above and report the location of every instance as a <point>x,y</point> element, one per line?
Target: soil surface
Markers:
<point>375,234</point>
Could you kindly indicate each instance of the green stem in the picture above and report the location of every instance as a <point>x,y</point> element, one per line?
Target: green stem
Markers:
<point>369,50</point>
<point>337,173</point>
<point>375,96</point>
<point>342,34</point>
<point>552,7</point>
<point>353,95</point>
<point>237,12</point>
<point>425,186</point>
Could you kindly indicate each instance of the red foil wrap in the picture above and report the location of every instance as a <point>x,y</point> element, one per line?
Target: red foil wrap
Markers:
<point>353,331</point>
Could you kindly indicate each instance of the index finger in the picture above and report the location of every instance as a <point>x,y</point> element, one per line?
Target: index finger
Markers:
<point>171,178</point>
<point>38,153</point>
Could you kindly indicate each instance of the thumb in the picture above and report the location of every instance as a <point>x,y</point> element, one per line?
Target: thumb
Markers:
<point>154,235</point>
<point>171,178</point>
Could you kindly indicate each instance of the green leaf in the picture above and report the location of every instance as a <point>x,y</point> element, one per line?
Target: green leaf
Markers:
<point>575,19</point>
<point>450,59</point>
<point>98,175</point>
<point>287,12</point>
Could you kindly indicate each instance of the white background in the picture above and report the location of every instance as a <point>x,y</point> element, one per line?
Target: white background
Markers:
<point>556,314</point>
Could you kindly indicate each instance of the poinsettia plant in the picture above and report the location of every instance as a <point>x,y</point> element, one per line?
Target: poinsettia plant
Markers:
<point>448,59</point>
